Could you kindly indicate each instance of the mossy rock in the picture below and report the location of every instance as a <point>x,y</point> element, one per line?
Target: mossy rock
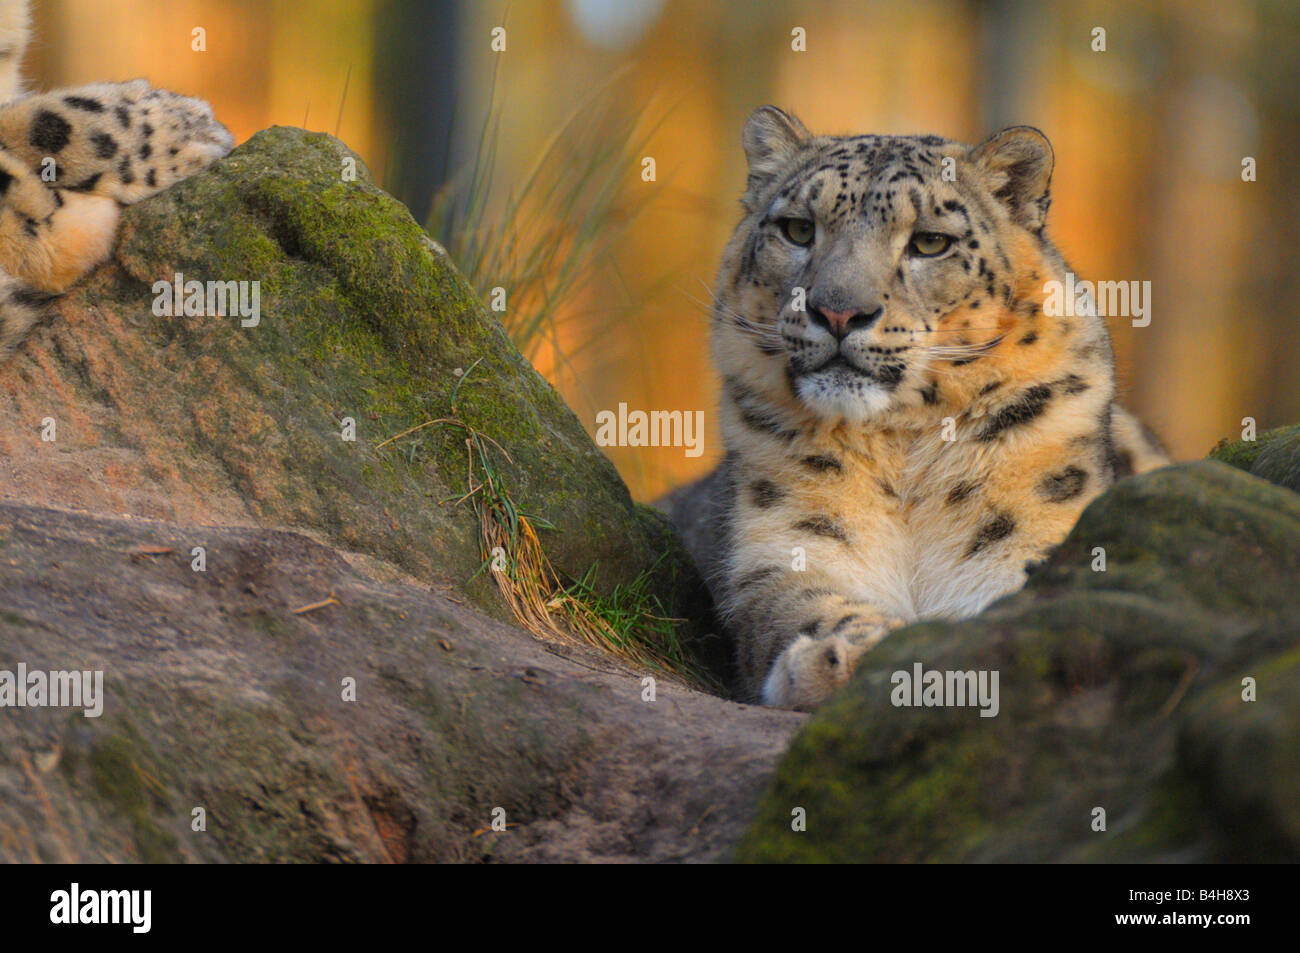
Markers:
<point>1120,689</point>
<point>363,318</point>
<point>1273,455</point>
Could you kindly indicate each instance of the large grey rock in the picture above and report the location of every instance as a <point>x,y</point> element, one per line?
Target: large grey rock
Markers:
<point>220,696</point>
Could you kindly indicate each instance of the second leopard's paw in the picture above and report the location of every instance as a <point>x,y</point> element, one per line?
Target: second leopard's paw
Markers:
<point>809,670</point>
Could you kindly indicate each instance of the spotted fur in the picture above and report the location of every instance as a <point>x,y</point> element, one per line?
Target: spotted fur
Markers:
<point>69,160</point>
<point>918,433</point>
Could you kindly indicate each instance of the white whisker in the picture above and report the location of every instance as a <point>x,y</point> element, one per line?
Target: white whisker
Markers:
<point>764,334</point>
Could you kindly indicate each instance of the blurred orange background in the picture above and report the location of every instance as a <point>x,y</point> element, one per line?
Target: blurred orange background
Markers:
<point>1149,134</point>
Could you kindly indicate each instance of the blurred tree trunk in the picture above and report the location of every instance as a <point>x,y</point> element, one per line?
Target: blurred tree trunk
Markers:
<point>1014,35</point>
<point>415,79</point>
<point>1274,73</point>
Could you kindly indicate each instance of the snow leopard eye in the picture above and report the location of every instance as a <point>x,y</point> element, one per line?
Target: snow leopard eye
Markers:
<point>798,230</point>
<point>929,244</point>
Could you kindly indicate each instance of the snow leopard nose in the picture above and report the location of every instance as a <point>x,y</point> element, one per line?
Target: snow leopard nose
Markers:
<point>842,323</point>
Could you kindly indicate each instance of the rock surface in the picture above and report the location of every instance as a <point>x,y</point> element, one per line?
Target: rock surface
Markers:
<point>218,695</point>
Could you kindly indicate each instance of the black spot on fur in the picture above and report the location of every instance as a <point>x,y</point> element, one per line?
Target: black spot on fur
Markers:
<point>1029,338</point>
<point>150,179</point>
<point>5,180</point>
<point>50,132</point>
<point>765,494</point>
<point>997,528</point>
<point>839,626</point>
<point>1066,485</point>
<point>1074,384</point>
<point>889,374</point>
<point>105,145</point>
<point>1025,407</point>
<point>765,423</point>
<point>822,526</point>
<point>123,116</point>
<point>87,105</point>
<point>1105,441</point>
<point>822,462</point>
<point>961,491</point>
<point>146,151</point>
<point>87,184</point>
<point>754,415</point>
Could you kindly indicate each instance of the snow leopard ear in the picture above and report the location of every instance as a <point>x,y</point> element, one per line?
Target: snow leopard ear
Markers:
<point>1016,165</point>
<point>770,138</point>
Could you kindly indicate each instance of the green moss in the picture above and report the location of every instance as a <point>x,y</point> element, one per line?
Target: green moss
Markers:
<point>1280,448</point>
<point>1279,461</point>
<point>117,766</point>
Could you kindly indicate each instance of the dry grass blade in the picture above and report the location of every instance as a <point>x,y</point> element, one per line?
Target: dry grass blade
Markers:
<point>551,235</point>
<point>629,623</point>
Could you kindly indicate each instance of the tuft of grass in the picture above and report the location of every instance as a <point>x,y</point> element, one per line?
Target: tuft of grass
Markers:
<point>546,240</point>
<point>548,237</point>
<point>628,623</point>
